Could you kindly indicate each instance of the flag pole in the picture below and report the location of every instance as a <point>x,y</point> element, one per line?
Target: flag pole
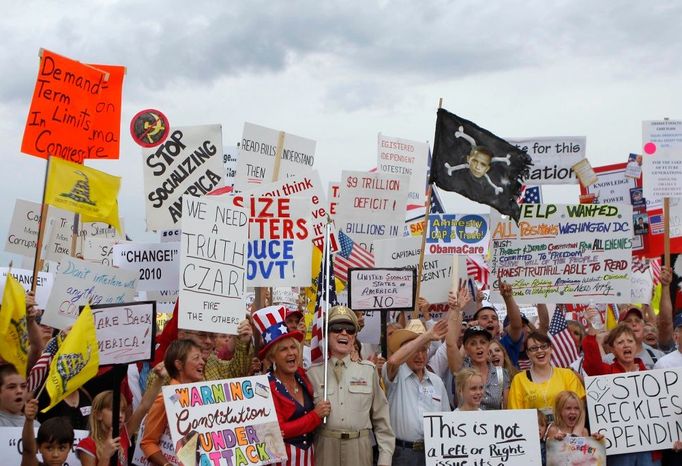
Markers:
<point>41,231</point>
<point>326,271</point>
<point>666,231</point>
<point>420,267</point>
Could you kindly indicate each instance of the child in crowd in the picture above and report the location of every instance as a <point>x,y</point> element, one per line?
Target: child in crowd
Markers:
<point>469,385</point>
<point>569,417</point>
<point>99,444</point>
<point>54,440</point>
<point>542,432</point>
<point>12,396</point>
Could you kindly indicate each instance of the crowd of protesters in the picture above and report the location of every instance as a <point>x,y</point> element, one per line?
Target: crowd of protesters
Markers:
<point>373,404</point>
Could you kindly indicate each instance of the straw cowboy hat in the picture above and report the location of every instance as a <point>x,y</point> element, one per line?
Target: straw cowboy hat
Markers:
<point>414,328</point>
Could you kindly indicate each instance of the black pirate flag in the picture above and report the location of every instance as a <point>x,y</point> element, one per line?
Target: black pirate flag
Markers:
<point>475,163</point>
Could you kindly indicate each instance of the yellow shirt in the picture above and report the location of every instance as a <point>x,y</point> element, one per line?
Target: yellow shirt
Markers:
<point>526,394</point>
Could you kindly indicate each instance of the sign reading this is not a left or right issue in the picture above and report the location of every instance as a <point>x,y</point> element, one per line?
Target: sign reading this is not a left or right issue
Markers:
<point>213,254</point>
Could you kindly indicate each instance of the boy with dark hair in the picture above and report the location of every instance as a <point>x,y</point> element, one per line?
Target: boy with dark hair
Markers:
<point>12,396</point>
<point>54,440</point>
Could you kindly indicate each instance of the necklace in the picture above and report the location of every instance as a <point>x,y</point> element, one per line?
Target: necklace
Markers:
<point>288,387</point>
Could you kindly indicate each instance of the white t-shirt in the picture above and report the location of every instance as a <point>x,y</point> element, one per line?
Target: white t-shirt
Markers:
<point>669,361</point>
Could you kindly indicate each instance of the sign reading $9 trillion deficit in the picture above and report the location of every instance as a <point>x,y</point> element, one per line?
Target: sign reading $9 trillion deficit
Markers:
<point>213,253</point>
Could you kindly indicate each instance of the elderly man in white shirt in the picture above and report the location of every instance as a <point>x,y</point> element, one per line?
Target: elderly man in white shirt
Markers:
<point>412,389</point>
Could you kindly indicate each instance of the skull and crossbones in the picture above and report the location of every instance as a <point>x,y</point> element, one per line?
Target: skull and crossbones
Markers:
<point>479,160</point>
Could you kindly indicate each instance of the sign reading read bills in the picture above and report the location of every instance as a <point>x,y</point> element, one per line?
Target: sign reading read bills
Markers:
<point>565,253</point>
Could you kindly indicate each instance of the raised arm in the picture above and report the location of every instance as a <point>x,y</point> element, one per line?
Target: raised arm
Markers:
<point>543,318</point>
<point>665,314</point>
<point>455,306</point>
<point>437,332</point>
<point>513,312</point>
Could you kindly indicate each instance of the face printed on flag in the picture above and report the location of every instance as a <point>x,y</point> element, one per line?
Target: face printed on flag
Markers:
<point>477,164</point>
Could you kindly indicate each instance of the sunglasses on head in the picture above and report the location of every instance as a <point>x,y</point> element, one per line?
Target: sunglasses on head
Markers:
<point>338,328</point>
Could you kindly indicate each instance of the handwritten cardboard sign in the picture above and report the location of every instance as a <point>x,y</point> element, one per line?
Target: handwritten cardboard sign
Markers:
<point>188,162</point>
<point>22,237</point>
<point>636,411</point>
<point>564,253</point>
<point>213,253</point>
<point>233,418</point>
<point>256,161</point>
<point>464,234</point>
<point>125,332</point>
<point>25,277</point>
<point>280,247</point>
<point>12,447</point>
<point>405,157</point>
<point>75,112</point>
<point>371,206</point>
<point>573,451</point>
<point>77,281</point>
<point>436,278</point>
<point>505,437</point>
<point>157,265</point>
<point>381,289</point>
<point>552,157</point>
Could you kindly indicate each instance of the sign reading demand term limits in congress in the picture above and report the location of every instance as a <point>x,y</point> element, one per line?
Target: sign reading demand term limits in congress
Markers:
<point>564,253</point>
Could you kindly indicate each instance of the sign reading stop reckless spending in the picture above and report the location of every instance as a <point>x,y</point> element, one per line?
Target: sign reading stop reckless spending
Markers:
<point>564,253</point>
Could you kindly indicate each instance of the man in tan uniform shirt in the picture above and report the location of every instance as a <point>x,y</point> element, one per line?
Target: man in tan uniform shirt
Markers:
<point>358,403</point>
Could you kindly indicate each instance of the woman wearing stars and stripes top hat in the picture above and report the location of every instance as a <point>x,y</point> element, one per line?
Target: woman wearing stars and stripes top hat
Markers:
<point>292,392</point>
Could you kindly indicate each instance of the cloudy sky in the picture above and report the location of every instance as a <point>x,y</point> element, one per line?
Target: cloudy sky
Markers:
<point>340,72</point>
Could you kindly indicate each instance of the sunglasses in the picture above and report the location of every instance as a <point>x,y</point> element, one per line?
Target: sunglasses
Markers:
<point>338,328</point>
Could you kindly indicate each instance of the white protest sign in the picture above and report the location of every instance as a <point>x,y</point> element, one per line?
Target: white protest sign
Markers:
<point>125,332</point>
<point>464,234</point>
<point>157,265</point>
<point>280,247</point>
<point>641,284</point>
<point>612,186</point>
<point>285,295</point>
<point>212,264</point>
<point>22,236</point>
<point>334,196</point>
<point>58,234</point>
<point>230,162</point>
<point>25,277</point>
<point>504,437</point>
<point>165,443</point>
<point>575,451</point>
<point>564,253</point>
<point>304,185</point>
<point>405,157</point>
<point>99,250</point>
<point>237,414</point>
<point>189,161</point>
<point>381,289</point>
<point>552,157</point>
<point>76,282</point>
<point>371,206</point>
<point>662,168</point>
<point>636,411</point>
<point>436,278</point>
<point>257,150</point>
<point>371,332</point>
<point>12,447</point>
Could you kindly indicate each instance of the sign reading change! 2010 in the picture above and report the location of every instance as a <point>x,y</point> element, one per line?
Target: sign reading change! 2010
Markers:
<point>564,253</point>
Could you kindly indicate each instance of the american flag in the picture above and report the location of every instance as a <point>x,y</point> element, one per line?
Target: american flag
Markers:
<point>530,195</point>
<point>317,340</point>
<point>38,373</point>
<point>564,351</point>
<point>436,202</point>
<point>655,270</point>
<point>478,270</point>
<point>350,255</point>
<point>656,226</point>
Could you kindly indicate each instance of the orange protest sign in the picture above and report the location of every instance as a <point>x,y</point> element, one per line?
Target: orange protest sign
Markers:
<point>75,112</point>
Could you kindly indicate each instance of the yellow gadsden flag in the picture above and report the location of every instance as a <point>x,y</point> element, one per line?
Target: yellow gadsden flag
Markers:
<point>86,191</point>
<point>76,361</point>
<point>13,330</point>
